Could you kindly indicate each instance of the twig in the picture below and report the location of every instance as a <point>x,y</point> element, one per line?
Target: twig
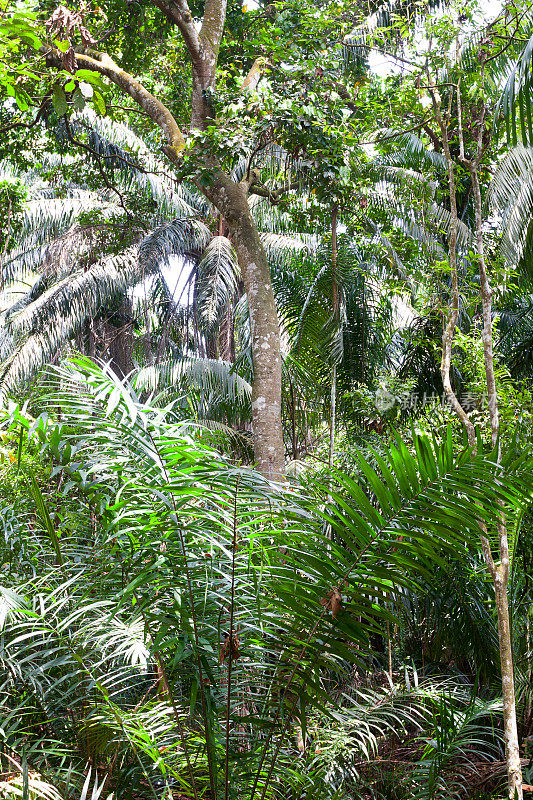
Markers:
<point>101,170</point>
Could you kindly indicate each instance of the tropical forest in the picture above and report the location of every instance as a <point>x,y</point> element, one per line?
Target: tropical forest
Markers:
<point>266,399</point>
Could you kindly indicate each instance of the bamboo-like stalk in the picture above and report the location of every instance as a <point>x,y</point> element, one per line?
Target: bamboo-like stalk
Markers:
<point>333,414</point>
<point>170,695</point>
<point>335,305</point>
<point>230,648</point>
<point>389,648</point>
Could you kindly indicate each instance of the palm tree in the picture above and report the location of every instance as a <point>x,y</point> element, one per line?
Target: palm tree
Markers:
<point>79,290</point>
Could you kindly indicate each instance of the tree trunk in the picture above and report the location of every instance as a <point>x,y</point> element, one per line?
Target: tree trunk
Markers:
<point>230,199</point>
<point>333,414</point>
<point>500,572</point>
<point>119,348</point>
<point>527,710</point>
<point>269,449</point>
<point>226,337</point>
<point>294,436</point>
<point>510,732</point>
<point>389,650</point>
<point>117,336</point>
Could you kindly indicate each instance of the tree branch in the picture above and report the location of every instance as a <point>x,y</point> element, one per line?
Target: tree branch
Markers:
<point>274,195</point>
<point>38,117</point>
<point>449,327</point>
<point>254,75</point>
<point>156,110</point>
<point>178,12</point>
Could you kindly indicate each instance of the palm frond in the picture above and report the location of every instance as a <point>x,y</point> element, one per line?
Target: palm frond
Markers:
<point>511,198</point>
<point>218,275</point>
<point>45,220</point>
<point>280,247</point>
<point>515,99</point>
<point>137,169</point>
<point>181,237</point>
<point>221,391</point>
<point>47,323</point>
<point>199,538</point>
<point>410,152</point>
<point>516,336</point>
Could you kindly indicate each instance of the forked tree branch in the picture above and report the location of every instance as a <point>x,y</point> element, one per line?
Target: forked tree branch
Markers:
<point>203,46</point>
<point>178,12</point>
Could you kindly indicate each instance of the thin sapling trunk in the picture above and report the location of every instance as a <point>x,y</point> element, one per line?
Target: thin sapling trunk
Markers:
<point>499,570</point>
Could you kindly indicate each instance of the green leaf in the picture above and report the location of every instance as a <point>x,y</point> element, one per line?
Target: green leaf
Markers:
<point>42,511</point>
<point>99,103</point>
<point>59,100</point>
<point>22,99</point>
<point>90,77</point>
<point>78,100</point>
